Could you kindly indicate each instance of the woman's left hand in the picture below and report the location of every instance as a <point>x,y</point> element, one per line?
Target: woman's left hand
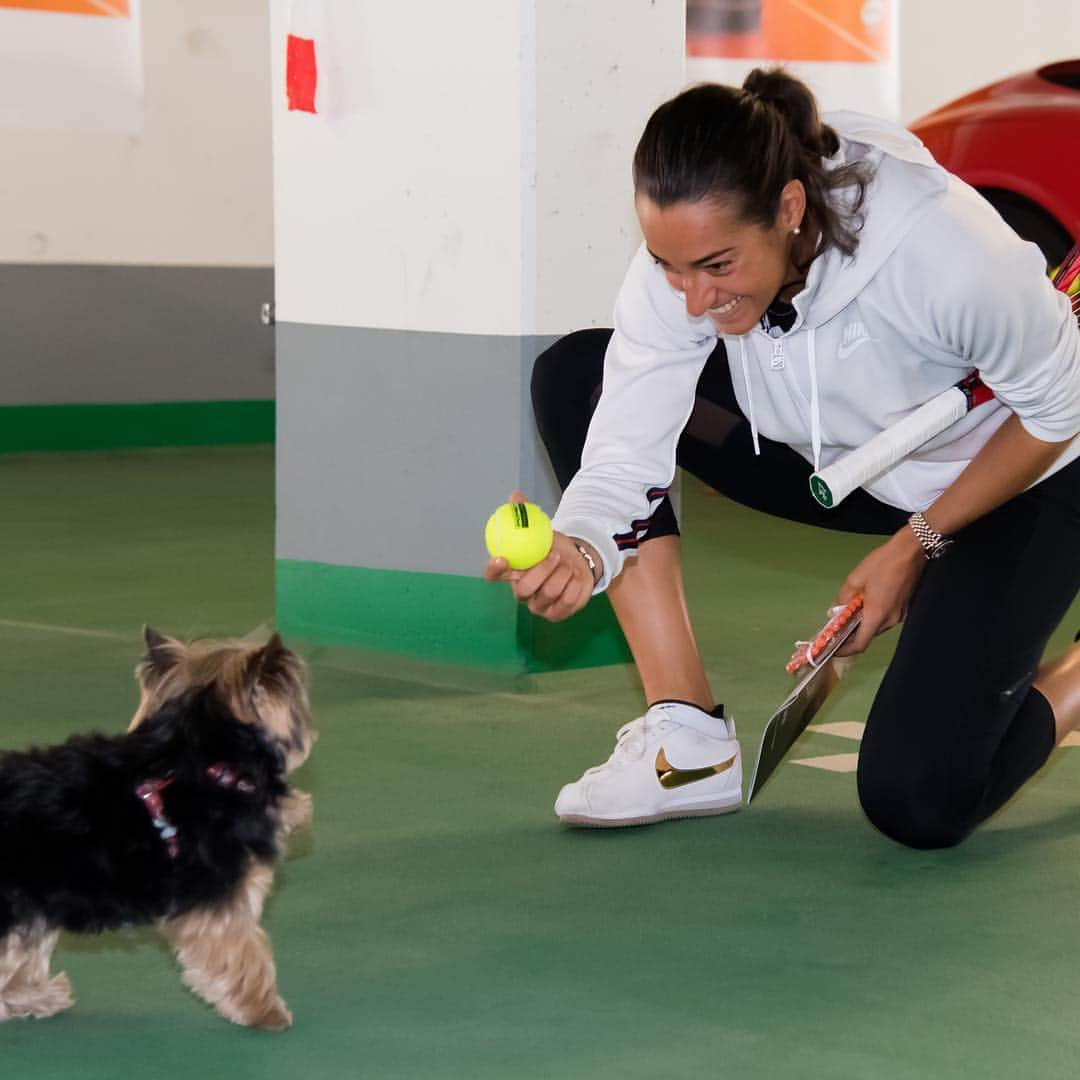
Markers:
<point>886,578</point>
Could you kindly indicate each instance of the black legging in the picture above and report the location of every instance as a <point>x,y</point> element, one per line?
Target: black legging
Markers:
<point>956,726</point>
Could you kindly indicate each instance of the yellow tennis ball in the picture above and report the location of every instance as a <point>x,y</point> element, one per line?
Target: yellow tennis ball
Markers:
<point>520,533</point>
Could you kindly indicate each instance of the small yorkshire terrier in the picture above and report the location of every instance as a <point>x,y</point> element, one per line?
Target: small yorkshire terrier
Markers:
<point>178,823</point>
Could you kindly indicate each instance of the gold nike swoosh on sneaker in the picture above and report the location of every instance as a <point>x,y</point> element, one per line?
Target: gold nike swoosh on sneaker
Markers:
<point>669,777</point>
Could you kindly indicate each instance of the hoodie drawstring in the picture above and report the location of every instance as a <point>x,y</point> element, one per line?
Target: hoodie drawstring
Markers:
<point>749,395</point>
<point>815,407</point>
<point>815,404</point>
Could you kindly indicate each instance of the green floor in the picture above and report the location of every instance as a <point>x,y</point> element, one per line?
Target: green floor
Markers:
<point>438,922</point>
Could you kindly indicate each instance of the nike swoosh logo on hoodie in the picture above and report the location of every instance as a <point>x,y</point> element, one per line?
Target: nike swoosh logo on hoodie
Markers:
<point>848,347</point>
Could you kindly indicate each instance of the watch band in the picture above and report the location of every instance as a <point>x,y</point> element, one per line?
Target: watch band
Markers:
<point>934,545</point>
<point>583,551</point>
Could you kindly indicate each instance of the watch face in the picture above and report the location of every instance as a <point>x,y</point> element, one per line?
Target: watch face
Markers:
<point>933,543</point>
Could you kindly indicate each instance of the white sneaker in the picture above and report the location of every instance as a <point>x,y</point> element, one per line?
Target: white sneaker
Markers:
<point>675,761</point>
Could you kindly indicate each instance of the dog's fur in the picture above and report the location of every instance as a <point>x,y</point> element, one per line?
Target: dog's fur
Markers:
<point>218,727</point>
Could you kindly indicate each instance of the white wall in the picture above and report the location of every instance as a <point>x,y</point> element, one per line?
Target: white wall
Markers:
<point>477,179</point>
<point>595,86</point>
<point>949,47</point>
<point>193,189</point>
<point>405,186</point>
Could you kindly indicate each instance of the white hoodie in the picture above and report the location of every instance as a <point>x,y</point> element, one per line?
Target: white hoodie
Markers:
<point>938,286</point>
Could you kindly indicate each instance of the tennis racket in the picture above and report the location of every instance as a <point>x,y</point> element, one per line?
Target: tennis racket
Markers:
<point>837,481</point>
<point>817,682</point>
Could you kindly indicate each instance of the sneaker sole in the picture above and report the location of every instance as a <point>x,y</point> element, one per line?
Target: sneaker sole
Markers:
<point>650,819</point>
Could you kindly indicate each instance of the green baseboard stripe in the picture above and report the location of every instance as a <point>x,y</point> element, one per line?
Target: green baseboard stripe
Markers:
<point>443,618</point>
<point>33,428</point>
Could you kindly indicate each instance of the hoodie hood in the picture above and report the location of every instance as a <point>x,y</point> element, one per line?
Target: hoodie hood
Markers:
<point>888,213</point>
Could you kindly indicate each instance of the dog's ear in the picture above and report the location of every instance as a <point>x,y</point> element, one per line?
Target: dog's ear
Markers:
<point>276,694</point>
<point>268,663</point>
<point>160,656</point>
<point>273,670</point>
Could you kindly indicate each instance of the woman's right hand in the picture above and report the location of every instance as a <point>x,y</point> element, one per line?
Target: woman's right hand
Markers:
<point>555,588</point>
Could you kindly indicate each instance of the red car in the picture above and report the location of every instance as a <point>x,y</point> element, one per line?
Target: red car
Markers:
<point>1018,142</point>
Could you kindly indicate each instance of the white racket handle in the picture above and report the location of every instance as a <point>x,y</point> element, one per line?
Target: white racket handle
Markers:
<point>837,481</point>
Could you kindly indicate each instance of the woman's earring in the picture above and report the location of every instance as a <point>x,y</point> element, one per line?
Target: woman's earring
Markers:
<point>796,231</point>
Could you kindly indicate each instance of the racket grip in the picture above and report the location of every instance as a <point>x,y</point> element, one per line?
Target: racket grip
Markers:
<point>837,481</point>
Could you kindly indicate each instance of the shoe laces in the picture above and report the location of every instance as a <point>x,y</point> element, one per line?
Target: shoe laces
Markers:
<point>632,739</point>
<point>630,742</point>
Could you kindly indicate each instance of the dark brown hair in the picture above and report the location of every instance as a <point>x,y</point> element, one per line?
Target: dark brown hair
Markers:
<point>721,143</point>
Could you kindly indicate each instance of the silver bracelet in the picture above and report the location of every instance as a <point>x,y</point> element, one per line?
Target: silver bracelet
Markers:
<point>583,551</point>
<point>934,545</point>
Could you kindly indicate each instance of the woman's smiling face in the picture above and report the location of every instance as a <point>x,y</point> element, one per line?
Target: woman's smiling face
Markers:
<point>725,267</point>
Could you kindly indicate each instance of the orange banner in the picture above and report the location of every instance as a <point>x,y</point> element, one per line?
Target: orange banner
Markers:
<point>116,9</point>
<point>856,31</point>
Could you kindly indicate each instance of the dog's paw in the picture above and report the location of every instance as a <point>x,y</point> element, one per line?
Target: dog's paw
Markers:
<point>55,996</point>
<point>297,811</point>
<point>58,995</point>
<point>276,1018</point>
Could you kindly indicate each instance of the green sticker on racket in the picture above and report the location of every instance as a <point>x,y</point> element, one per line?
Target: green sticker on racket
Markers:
<point>820,490</point>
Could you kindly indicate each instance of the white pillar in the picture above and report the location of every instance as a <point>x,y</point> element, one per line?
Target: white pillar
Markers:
<point>461,197</point>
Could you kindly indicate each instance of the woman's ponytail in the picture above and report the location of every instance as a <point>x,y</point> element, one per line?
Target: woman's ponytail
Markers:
<point>744,145</point>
